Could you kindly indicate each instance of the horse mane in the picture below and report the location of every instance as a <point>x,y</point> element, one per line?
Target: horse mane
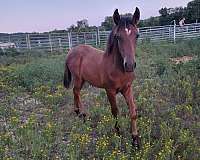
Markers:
<point>124,22</point>
<point>110,43</point>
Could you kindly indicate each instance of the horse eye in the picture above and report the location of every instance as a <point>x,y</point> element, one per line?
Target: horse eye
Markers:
<point>117,37</point>
<point>137,36</point>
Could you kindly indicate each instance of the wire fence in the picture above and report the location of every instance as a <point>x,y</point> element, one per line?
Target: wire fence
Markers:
<point>60,41</point>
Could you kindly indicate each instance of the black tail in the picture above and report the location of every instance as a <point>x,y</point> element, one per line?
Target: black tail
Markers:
<point>67,77</point>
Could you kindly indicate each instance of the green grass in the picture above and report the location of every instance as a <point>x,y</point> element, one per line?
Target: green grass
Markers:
<point>40,72</point>
<point>37,119</point>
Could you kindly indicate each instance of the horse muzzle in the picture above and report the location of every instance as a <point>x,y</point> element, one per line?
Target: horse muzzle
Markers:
<point>129,66</point>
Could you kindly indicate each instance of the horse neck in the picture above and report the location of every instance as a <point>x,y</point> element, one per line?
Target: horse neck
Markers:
<point>116,58</point>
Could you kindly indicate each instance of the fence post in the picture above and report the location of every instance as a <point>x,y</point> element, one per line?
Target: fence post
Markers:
<point>9,38</point>
<point>174,31</point>
<point>77,38</point>
<point>84,38</point>
<point>98,37</point>
<point>50,43</point>
<point>28,43</point>
<point>59,41</point>
<point>96,34</point>
<point>39,43</point>
<point>69,40</point>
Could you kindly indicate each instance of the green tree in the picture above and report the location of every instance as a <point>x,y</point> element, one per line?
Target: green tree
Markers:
<point>193,11</point>
<point>163,12</point>
<point>152,21</point>
<point>108,23</point>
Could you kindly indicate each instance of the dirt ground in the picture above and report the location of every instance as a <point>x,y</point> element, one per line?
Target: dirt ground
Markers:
<point>183,59</point>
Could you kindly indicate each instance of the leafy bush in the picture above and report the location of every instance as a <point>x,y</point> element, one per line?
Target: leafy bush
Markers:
<point>11,52</point>
<point>1,52</point>
<point>43,71</point>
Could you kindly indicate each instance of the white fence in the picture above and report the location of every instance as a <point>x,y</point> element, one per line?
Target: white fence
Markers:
<point>60,41</point>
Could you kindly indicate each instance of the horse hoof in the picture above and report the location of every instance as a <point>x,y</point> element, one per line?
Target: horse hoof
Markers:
<point>83,116</point>
<point>136,141</point>
<point>117,129</point>
<point>77,111</point>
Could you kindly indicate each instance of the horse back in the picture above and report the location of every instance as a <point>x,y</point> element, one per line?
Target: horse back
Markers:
<point>85,62</point>
<point>84,51</point>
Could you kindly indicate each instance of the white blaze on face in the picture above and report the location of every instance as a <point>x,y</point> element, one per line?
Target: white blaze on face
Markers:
<point>128,31</point>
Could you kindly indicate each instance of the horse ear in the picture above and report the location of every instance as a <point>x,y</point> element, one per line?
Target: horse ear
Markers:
<point>136,16</point>
<point>116,17</point>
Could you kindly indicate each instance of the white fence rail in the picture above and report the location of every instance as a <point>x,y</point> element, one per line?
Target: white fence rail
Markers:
<point>60,41</point>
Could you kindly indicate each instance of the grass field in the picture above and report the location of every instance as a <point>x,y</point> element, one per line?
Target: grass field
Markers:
<point>37,119</point>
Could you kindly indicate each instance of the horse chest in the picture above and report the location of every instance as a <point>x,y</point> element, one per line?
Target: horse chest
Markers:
<point>119,80</point>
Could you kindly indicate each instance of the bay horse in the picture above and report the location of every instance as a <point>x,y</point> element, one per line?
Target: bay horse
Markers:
<point>112,69</point>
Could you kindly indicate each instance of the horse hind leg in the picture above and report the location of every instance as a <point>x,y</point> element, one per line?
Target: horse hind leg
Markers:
<point>78,83</point>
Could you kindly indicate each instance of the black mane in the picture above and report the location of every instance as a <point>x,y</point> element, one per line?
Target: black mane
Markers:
<point>125,21</point>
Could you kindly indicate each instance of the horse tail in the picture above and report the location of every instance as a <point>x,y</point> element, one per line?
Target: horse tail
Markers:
<point>67,77</point>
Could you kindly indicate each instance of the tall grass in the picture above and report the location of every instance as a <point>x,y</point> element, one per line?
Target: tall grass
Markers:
<point>40,72</point>
<point>44,126</point>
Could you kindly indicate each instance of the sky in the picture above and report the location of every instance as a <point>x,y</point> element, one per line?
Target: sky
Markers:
<point>47,15</point>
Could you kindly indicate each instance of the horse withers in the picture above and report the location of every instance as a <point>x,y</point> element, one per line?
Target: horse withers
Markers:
<point>112,69</point>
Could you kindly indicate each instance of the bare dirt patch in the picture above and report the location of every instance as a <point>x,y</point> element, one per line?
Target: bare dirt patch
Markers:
<point>183,59</point>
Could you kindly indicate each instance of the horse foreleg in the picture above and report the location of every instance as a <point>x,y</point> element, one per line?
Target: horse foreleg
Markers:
<point>128,95</point>
<point>112,99</point>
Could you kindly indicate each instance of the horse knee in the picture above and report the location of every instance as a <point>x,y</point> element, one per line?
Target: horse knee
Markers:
<point>76,91</point>
<point>133,114</point>
<point>133,117</point>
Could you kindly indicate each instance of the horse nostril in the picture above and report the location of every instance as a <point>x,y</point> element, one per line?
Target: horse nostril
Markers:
<point>135,65</point>
<point>125,65</point>
<point>128,66</point>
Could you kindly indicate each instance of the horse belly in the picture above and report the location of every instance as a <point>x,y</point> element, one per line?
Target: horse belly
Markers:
<point>93,76</point>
